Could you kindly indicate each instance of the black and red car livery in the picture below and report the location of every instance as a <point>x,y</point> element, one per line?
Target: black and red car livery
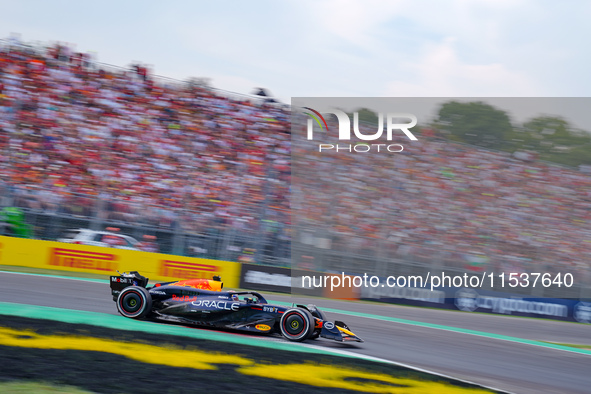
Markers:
<point>202,302</point>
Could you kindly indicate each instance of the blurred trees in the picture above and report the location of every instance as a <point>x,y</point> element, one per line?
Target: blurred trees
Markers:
<point>476,123</point>
<point>556,140</point>
<point>365,116</point>
<point>552,138</point>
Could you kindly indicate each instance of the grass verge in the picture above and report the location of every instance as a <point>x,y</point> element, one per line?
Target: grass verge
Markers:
<point>104,360</point>
<point>588,347</point>
<point>25,387</point>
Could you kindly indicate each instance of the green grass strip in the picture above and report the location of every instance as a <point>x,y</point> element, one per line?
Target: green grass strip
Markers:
<point>573,345</point>
<point>39,388</point>
<point>122,323</point>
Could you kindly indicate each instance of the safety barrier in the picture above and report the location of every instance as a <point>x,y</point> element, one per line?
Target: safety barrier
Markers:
<point>100,260</point>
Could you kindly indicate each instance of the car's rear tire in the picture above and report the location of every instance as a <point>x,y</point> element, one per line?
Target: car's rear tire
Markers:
<point>297,324</point>
<point>134,302</point>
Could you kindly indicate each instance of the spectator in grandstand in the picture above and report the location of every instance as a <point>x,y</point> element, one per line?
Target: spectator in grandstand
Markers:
<point>111,239</point>
<point>149,244</point>
<point>120,145</point>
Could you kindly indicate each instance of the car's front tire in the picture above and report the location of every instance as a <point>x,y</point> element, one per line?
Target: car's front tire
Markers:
<point>134,302</point>
<point>297,324</point>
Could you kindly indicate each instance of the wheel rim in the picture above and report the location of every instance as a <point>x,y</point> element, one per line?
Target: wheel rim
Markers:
<point>294,324</point>
<point>131,302</point>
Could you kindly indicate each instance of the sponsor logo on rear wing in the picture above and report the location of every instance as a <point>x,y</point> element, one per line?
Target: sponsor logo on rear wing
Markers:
<point>119,283</point>
<point>120,279</point>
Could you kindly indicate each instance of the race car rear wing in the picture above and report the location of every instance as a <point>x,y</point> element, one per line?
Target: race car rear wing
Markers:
<point>126,279</point>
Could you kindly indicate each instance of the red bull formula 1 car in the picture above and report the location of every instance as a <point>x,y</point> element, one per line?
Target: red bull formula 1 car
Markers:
<point>202,302</point>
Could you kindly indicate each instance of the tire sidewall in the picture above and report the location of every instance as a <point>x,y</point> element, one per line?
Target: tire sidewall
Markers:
<point>305,317</point>
<point>141,295</point>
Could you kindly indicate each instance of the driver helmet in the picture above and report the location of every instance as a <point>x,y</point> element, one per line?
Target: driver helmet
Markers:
<point>234,296</point>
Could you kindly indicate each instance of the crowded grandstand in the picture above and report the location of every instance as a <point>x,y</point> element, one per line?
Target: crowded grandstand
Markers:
<point>209,173</point>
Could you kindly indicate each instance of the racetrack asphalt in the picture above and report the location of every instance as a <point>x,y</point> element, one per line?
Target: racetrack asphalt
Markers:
<point>506,365</point>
